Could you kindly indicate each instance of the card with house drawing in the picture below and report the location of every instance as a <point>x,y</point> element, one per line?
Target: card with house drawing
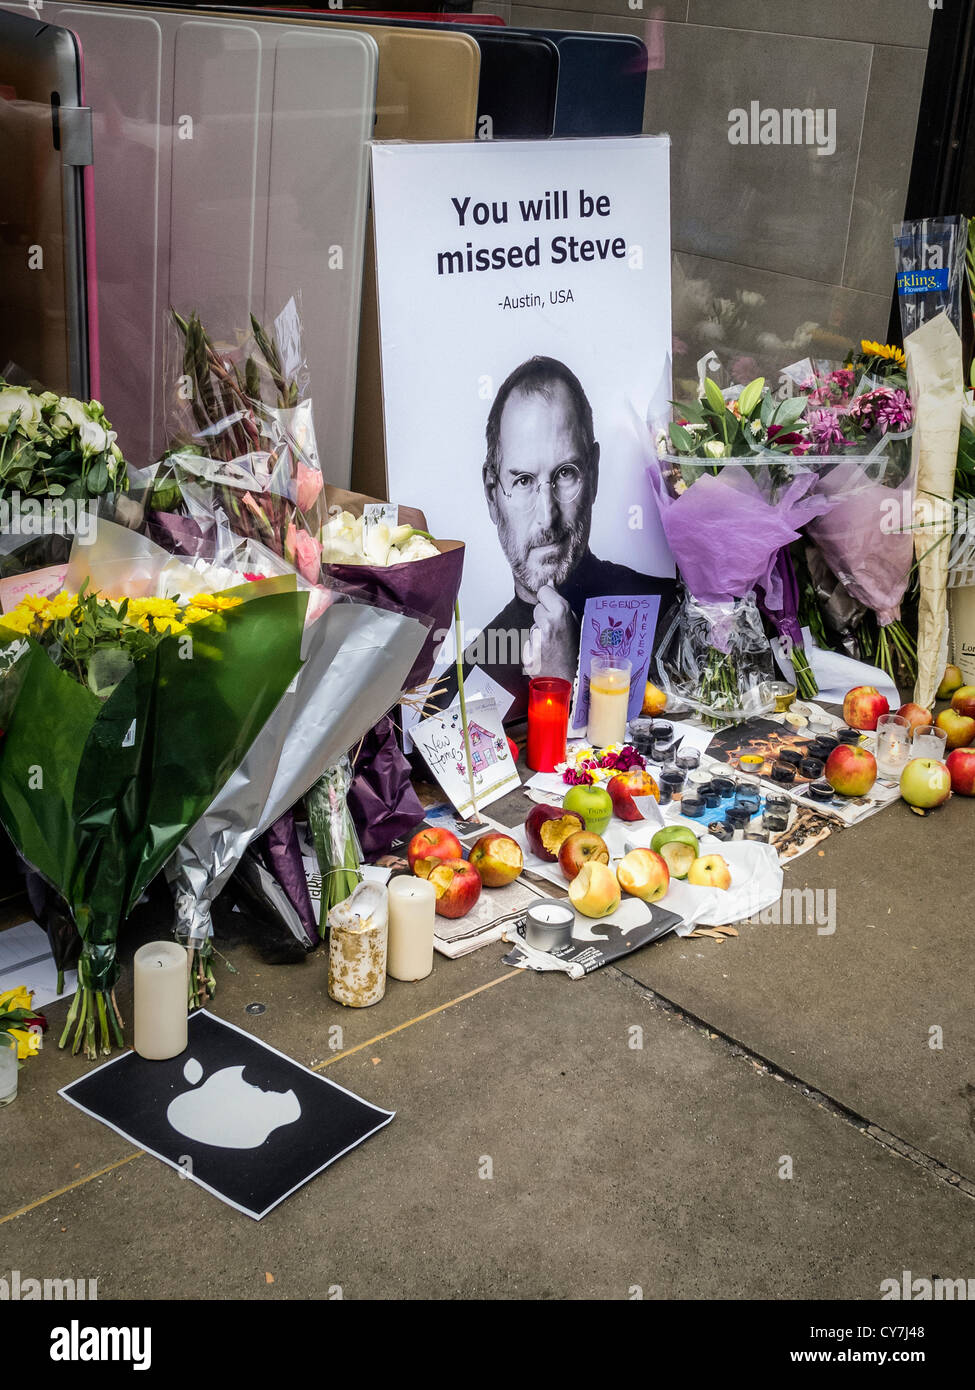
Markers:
<point>441,741</point>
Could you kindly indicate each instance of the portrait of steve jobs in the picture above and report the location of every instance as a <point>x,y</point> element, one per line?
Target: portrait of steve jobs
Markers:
<point>541,476</point>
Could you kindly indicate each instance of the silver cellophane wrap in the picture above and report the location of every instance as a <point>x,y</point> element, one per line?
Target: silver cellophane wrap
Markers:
<point>356,660</point>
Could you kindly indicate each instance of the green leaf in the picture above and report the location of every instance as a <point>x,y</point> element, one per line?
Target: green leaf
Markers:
<point>98,478</point>
<point>681,440</point>
<point>789,411</point>
<point>689,410</point>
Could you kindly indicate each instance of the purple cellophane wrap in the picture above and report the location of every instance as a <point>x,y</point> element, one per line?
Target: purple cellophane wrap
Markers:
<point>725,533</point>
<point>381,798</point>
<point>427,586</point>
<point>873,564</point>
<point>280,845</point>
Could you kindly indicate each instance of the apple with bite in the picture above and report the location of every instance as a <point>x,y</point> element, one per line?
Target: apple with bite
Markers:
<point>950,682</point>
<point>863,706</point>
<point>644,874</point>
<point>595,891</point>
<point>456,883</point>
<point>578,849</point>
<point>625,786</point>
<point>960,728</point>
<point>925,782</point>
<point>498,859</point>
<point>916,716</point>
<point>963,701</point>
<point>961,766</point>
<point>678,846</point>
<point>432,843</point>
<point>710,871</point>
<point>851,771</point>
<point>546,828</point>
<point>593,804</point>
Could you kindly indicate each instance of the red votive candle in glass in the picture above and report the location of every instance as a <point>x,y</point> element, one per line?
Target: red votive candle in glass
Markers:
<point>548,722</point>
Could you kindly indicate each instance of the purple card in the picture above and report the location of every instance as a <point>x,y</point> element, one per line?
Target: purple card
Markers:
<point>618,626</point>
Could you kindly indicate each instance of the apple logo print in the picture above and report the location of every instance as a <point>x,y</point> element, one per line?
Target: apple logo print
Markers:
<point>227,1112</point>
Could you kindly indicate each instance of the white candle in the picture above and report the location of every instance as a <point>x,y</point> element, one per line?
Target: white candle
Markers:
<point>609,695</point>
<point>412,914</point>
<point>161,970</point>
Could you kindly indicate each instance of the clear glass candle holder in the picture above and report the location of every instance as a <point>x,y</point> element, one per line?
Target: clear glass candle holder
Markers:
<point>893,746</point>
<point>929,742</point>
<point>8,1068</point>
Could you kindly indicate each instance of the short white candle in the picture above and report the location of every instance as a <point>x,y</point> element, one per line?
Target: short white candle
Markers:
<point>412,916</point>
<point>551,912</point>
<point>161,970</point>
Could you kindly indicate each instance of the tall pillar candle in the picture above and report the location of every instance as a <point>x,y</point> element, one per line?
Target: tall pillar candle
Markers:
<point>609,696</point>
<point>412,916</point>
<point>160,1000</point>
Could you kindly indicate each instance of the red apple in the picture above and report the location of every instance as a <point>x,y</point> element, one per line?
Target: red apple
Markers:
<point>498,859</point>
<point>963,701</point>
<point>546,828</point>
<point>960,728</point>
<point>625,786</point>
<point>432,843</point>
<point>925,782</point>
<point>916,716</point>
<point>851,771</point>
<point>513,749</point>
<point>457,884</point>
<point>581,848</point>
<point>961,765</point>
<point>644,874</point>
<point>863,706</point>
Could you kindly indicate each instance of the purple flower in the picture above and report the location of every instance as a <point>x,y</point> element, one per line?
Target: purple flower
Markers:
<point>893,410</point>
<point>825,431</point>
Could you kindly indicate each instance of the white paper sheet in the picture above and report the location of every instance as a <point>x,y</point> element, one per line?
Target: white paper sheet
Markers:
<point>26,959</point>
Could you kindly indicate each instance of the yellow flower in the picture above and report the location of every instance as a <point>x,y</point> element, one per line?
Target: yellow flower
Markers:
<point>153,608</point>
<point>216,603</point>
<point>18,998</point>
<point>21,619</point>
<point>35,602</point>
<point>195,614</point>
<point>169,625</point>
<point>884,350</point>
<point>25,1048</point>
<point>60,606</point>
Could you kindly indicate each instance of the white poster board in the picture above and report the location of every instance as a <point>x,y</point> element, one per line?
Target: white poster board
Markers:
<point>489,255</point>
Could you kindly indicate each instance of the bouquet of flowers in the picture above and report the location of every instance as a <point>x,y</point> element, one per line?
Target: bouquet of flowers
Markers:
<point>123,719</point>
<point>246,454</point>
<point>734,490</point>
<point>19,1018</point>
<point>59,465</point>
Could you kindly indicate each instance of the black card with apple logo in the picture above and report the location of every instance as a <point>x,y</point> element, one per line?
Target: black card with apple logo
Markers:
<point>233,1114</point>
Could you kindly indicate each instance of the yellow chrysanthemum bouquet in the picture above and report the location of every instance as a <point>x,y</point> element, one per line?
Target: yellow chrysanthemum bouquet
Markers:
<point>122,719</point>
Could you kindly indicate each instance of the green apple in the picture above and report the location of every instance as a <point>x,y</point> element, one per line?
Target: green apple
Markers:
<point>593,804</point>
<point>678,847</point>
<point>925,782</point>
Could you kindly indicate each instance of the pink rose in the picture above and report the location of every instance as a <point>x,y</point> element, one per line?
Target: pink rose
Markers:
<point>304,552</point>
<point>310,484</point>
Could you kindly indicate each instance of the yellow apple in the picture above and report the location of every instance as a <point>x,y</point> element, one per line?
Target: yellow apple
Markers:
<point>594,891</point>
<point>654,700</point>
<point>709,871</point>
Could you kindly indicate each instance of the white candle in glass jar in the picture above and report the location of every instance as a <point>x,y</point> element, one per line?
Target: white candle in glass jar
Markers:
<point>161,979</point>
<point>412,916</point>
<point>609,695</point>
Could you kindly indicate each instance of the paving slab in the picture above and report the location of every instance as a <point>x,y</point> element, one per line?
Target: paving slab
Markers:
<point>880,1015</point>
<point>300,1019</point>
<point>536,1153</point>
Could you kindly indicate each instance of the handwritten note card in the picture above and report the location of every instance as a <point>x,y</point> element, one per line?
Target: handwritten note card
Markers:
<point>441,741</point>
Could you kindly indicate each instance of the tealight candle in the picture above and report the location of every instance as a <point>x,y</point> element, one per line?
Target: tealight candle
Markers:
<point>609,695</point>
<point>160,1008</point>
<point>548,924</point>
<point>893,746</point>
<point>412,917</point>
